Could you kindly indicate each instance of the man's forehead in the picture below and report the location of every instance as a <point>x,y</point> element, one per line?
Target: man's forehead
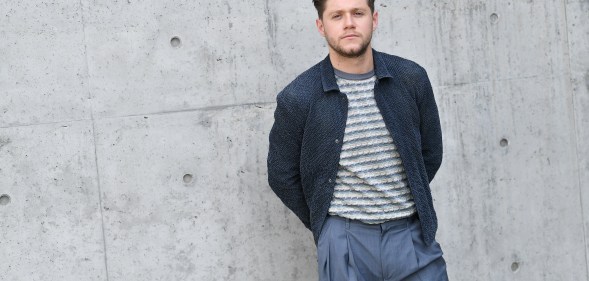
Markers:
<point>334,5</point>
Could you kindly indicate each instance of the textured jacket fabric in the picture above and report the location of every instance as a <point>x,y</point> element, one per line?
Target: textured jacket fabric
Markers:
<point>307,136</point>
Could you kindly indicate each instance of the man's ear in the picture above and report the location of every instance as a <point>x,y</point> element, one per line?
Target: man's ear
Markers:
<point>374,20</point>
<point>320,27</point>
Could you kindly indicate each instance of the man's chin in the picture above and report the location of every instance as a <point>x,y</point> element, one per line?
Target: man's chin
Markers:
<point>353,52</point>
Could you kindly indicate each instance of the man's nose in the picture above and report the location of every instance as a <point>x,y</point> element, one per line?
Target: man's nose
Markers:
<point>349,21</point>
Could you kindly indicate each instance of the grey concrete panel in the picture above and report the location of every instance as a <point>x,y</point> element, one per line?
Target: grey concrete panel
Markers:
<point>457,188</point>
<point>498,202</point>
<point>578,35</point>
<point>581,105</point>
<point>536,118</point>
<point>50,221</point>
<point>229,53</point>
<point>528,39</point>
<point>224,223</point>
<point>578,32</point>
<point>449,38</point>
<point>464,42</point>
<point>42,63</point>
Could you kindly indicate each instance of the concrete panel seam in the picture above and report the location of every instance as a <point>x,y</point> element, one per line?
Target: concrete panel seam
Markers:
<point>206,108</point>
<point>576,136</point>
<point>100,200</point>
<point>44,123</point>
<point>89,93</point>
<point>550,77</point>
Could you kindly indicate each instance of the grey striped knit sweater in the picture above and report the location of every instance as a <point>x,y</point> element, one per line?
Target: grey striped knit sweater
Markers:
<point>371,184</point>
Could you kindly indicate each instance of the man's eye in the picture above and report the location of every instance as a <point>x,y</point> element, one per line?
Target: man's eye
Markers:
<point>335,16</point>
<point>359,13</point>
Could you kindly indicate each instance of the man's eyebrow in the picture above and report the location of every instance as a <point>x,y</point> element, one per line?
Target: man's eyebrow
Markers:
<point>334,12</point>
<point>342,10</point>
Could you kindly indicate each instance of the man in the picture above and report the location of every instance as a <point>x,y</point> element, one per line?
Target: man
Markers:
<point>355,143</point>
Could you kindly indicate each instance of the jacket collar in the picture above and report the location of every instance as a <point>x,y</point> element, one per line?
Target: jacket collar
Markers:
<point>328,75</point>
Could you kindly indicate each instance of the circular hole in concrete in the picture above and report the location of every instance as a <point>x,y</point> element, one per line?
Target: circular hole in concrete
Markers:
<point>187,178</point>
<point>4,199</point>
<point>175,42</point>
<point>504,142</point>
<point>494,17</point>
<point>515,266</point>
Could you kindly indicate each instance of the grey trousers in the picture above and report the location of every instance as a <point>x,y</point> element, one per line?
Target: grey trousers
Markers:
<point>350,250</point>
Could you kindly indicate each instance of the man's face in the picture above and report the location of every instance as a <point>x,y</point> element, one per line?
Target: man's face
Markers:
<point>348,25</point>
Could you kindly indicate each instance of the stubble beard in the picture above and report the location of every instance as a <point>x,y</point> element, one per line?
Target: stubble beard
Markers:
<point>353,52</point>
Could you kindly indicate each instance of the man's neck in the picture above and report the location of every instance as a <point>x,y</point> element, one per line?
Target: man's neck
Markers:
<point>359,65</point>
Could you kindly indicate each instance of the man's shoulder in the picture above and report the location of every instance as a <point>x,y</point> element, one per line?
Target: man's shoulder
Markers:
<point>306,84</point>
<point>308,79</point>
<point>400,66</point>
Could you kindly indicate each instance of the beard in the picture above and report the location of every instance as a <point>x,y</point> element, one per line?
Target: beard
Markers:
<point>351,52</point>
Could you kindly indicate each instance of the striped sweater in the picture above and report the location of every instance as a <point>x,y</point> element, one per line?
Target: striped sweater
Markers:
<point>371,184</point>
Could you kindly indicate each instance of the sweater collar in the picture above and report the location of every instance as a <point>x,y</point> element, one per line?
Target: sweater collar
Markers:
<point>328,74</point>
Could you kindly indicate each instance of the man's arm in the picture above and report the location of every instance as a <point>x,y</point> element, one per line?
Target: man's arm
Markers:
<point>430,129</point>
<point>284,156</point>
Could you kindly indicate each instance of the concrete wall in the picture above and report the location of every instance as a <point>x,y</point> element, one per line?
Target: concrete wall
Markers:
<point>126,154</point>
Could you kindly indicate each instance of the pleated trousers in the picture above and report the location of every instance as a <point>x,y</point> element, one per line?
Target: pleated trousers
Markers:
<point>350,250</point>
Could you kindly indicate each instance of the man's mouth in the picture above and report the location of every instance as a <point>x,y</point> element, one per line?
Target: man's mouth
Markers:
<point>349,36</point>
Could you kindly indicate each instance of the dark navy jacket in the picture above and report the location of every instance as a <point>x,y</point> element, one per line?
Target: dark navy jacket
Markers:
<point>309,123</point>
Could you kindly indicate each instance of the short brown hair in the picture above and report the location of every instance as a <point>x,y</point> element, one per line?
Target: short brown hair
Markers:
<point>320,6</point>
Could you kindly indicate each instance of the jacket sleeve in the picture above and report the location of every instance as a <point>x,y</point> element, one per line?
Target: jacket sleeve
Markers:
<point>284,155</point>
<point>430,129</point>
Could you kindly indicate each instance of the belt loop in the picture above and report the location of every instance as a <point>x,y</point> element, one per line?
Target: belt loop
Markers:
<point>347,223</point>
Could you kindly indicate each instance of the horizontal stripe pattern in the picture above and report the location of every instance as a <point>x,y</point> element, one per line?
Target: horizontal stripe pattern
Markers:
<point>371,184</point>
